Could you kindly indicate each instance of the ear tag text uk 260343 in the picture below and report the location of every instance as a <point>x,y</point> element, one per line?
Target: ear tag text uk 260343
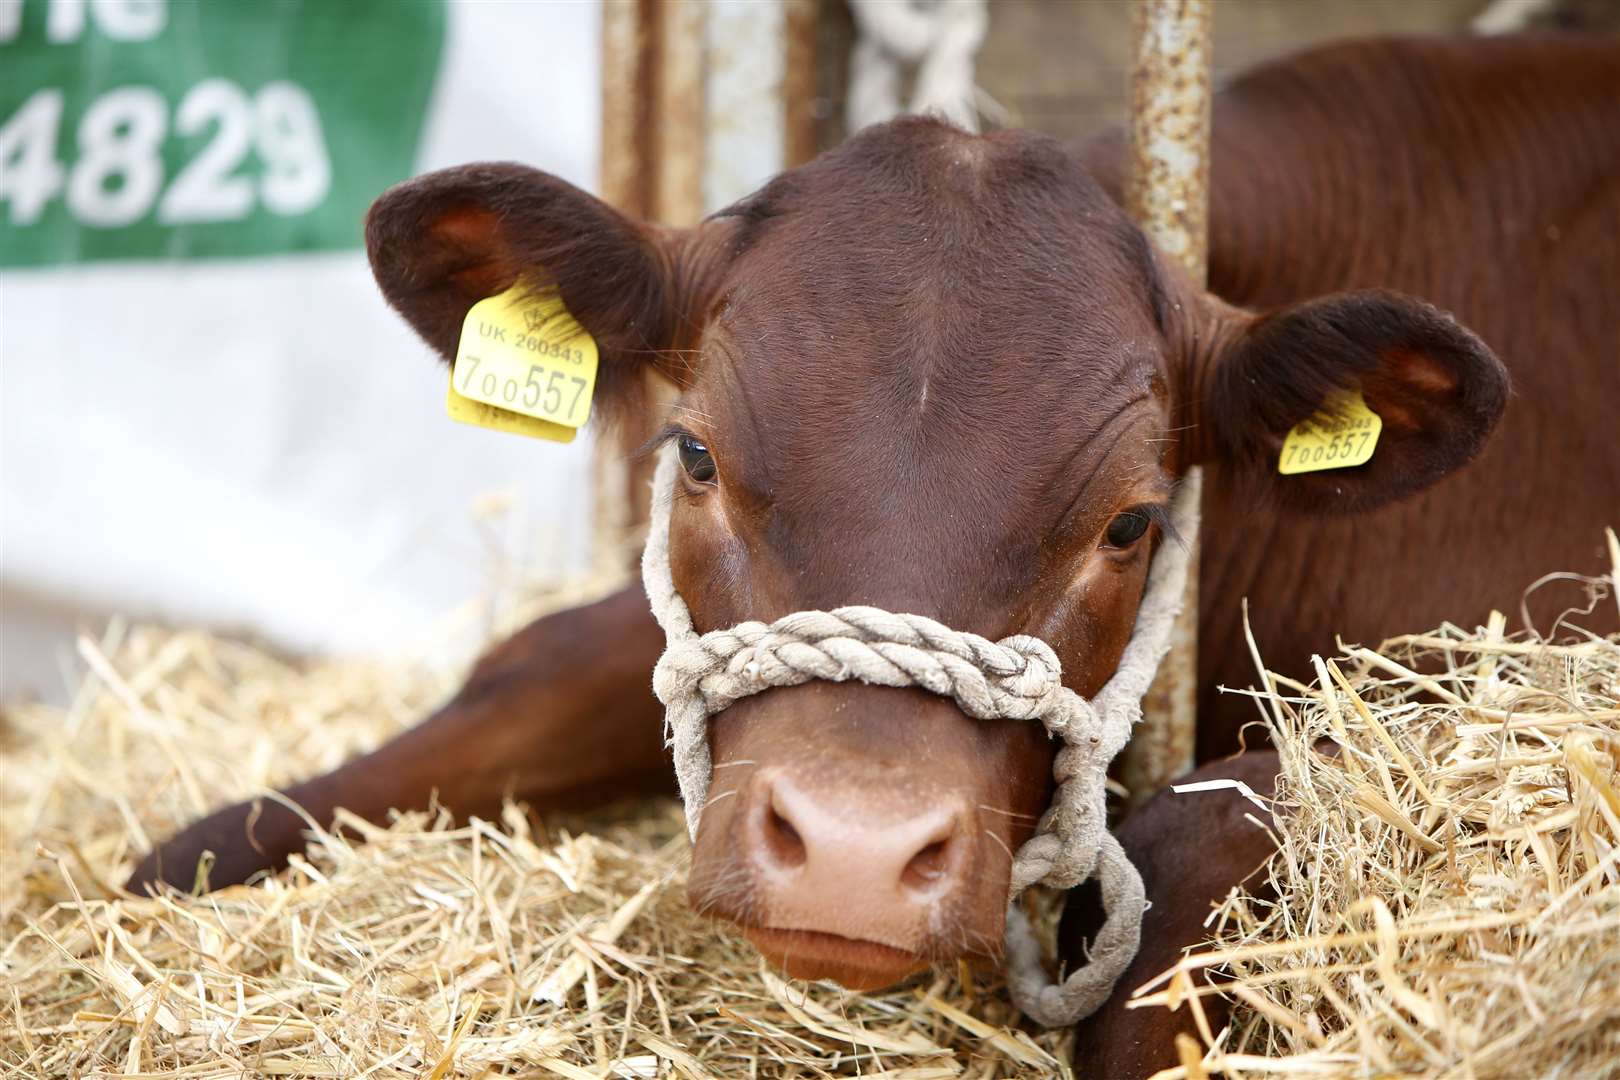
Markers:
<point>1344,432</point>
<point>524,365</point>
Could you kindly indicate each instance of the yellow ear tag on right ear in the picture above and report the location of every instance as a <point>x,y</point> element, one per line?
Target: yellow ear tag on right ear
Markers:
<point>524,365</point>
<point>1344,432</point>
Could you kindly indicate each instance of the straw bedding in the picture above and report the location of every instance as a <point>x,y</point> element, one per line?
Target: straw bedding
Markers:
<point>1447,896</point>
<point>1445,900</point>
<point>509,947</point>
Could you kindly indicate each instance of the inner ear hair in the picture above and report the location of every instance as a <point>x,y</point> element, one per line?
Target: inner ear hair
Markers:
<point>476,258</point>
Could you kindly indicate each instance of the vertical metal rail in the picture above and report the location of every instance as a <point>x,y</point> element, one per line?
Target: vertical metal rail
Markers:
<point>1168,196</point>
<point>702,102</point>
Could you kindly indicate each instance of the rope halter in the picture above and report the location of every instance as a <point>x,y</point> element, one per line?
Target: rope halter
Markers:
<point>1016,678</point>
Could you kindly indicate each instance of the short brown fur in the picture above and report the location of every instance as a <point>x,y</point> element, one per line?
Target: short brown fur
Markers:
<point>933,368</point>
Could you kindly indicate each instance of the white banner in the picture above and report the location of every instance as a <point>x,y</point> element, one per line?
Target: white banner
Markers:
<point>254,441</point>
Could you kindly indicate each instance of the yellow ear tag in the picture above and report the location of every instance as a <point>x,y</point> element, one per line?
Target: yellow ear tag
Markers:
<point>524,365</point>
<point>1344,432</point>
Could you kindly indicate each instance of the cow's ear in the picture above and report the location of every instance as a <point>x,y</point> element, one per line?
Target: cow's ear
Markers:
<point>1436,387</point>
<point>440,243</point>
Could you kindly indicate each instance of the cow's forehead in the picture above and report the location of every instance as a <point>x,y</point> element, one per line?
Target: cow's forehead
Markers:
<point>924,294</point>
<point>919,248</point>
<point>917,192</point>
<point>927,157</point>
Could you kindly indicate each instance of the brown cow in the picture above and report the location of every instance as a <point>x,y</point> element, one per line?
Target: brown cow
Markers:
<point>944,374</point>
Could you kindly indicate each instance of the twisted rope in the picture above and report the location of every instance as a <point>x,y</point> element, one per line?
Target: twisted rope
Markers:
<point>1018,678</point>
<point>938,37</point>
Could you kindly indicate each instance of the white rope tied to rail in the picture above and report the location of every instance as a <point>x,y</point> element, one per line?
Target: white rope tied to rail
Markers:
<point>1018,678</point>
<point>939,37</point>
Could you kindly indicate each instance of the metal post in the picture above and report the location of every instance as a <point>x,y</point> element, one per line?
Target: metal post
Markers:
<point>702,102</point>
<point>1168,196</point>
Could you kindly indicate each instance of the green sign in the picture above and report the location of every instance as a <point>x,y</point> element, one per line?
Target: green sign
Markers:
<point>137,129</point>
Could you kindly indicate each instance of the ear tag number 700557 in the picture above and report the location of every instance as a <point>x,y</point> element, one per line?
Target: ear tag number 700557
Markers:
<point>523,365</point>
<point>1344,432</point>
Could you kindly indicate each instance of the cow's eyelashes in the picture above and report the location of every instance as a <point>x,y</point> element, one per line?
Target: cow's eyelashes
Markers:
<point>695,459</point>
<point>1127,528</point>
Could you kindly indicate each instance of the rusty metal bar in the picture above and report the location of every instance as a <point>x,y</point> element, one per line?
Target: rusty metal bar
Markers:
<point>799,82</point>
<point>680,132</point>
<point>1168,195</point>
<point>627,74</point>
<point>630,35</point>
<point>702,102</point>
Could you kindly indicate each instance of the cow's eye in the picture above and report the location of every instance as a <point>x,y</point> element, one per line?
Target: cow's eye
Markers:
<point>1127,528</point>
<point>695,459</point>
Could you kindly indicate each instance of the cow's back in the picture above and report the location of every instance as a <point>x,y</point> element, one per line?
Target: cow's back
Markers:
<point>1482,175</point>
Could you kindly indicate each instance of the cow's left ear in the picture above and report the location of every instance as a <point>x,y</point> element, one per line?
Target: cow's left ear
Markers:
<point>1437,388</point>
<point>442,242</point>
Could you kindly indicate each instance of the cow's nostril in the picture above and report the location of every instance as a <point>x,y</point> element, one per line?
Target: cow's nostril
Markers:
<point>782,840</point>
<point>930,867</point>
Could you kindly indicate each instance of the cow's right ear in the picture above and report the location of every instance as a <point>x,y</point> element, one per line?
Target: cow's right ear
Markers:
<point>440,243</point>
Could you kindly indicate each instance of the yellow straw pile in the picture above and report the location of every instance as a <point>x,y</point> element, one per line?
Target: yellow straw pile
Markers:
<point>1446,896</point>
<point>494,948</point>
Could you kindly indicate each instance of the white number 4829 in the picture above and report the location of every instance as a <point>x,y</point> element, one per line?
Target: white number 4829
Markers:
<point>119,167</point>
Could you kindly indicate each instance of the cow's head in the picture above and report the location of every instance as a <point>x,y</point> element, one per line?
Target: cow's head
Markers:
<point>941,374</point>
